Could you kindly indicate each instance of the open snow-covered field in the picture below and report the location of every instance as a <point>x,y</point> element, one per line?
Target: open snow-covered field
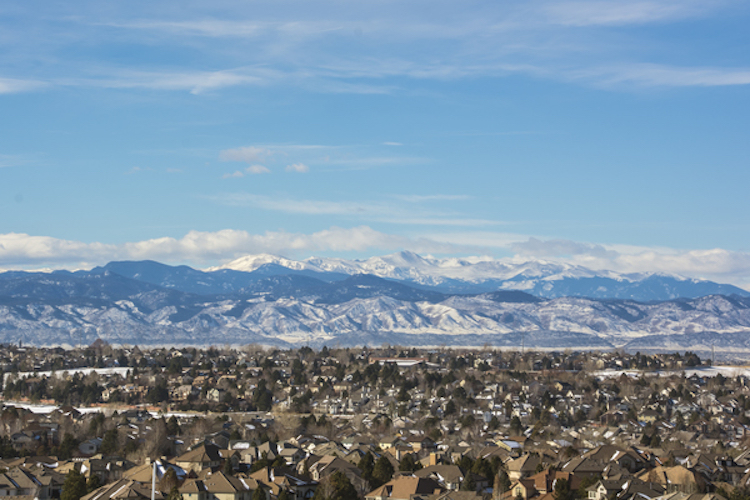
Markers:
<point>45,409</point>
<point>711,371</point>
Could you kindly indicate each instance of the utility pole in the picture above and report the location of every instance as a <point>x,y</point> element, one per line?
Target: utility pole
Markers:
<point>153,481</point>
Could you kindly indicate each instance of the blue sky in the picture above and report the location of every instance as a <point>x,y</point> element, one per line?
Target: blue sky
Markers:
<point>607,134</point>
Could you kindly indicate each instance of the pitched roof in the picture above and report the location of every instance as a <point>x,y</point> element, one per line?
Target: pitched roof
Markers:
<point>443,473</point>
<point>219,482</point>
<point>526,463</point>
<point>203,453</point>
<point>456,495</point>
<point>544,481</point>
<point>124,488</point>
<point>672,475</point>
<point>403,487</point>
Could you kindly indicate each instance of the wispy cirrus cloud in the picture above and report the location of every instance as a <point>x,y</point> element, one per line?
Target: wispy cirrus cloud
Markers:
<point>14,85</point>
<point>658,75</point>
<point>300,158</point>
<point>247,154</point>
<point>201,27</point>
<point>190,80</point>
<point>357,49</point>
<point>420,198</point>
<point>607,13</point>
<point>13,160</point>
<point>593,73</point>
<point>299,206</point>
<point>136,170</point>
<point>368,162</point>
<point>380,211</point>
<point>405,21</point>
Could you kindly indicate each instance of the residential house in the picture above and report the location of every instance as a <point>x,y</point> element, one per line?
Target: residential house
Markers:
<point>217,486</point>
<point>124,489</point>
<point>449,476</point>
<point>523,466</point>
<point>405,488</point>
<point>278,479</point>
<point>206,456</point>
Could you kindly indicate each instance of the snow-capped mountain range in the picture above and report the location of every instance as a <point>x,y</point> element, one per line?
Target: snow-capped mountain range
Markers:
<point>409,266</point>
<point>482,274</point>
<point>401,299</point>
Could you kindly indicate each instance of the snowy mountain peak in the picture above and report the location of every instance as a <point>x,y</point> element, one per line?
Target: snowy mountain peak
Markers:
<point>250,263</point>
<point>481,274</point>
<point>408,265</point>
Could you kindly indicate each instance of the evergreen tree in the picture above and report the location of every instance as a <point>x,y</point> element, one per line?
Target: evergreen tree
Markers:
<point>67,447</point>
<point>502,482</point>
<point>336,487</point>
<point>74,486</point>
<point>516,427</point>
<point>260,464</point>
<point>382,472</point>
<point>483,468</point>
<point>409,464</point>
<point>228,469</point>
<point>93,483</point>
<point>366,465</point>
<point>173,427</point>
<point>109,442</point>
<point>465,463</point>
<point>655,440</point>
<point>159,393</point>
<point>262,397</point>
<point>469,484</point>
<point>450,408</point>
<point>562,490</point>
<point>260,493</point>
<point>6,448</point>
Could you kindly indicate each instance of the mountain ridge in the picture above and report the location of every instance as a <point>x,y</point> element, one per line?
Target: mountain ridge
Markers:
<point>482,274</point>
<point>176,305</point>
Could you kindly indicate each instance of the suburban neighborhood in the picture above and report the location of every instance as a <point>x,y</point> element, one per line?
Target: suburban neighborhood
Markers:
<point>390,422</point>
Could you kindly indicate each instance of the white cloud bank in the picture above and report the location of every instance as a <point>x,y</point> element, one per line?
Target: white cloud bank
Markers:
<point>23,251</point>
<point>197,248</point>
<point>715,264</point>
